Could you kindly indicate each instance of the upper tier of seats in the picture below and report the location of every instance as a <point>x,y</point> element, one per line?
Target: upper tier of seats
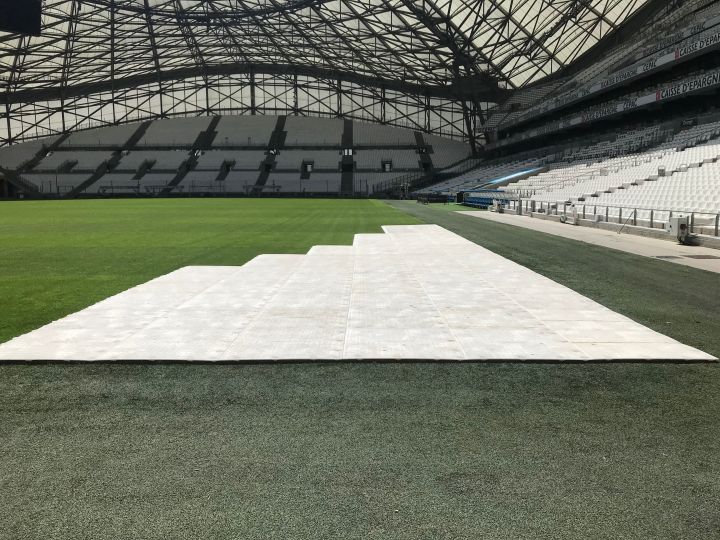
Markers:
<point>244,131</point>
<point>682,25</point>
<point>174,131</point>
<point>313,132</point>
<point>168,142</point>
<point>446,152</point>
<point>366,134</point>
<point>83,160</point>
<point>679,86</point>
<point>106,136</point>
<point>14,157</point>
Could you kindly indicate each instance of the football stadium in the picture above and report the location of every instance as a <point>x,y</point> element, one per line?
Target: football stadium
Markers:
<point>393,269</point>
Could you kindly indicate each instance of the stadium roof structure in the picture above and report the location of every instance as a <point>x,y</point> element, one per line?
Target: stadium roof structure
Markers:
<point>432,65</point>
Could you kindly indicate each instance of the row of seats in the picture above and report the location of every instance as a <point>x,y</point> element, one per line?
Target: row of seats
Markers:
<point>199,181</point>
<point>480,176</point>
<point>303,131</point>
<point>625,143</point>
<point>579,157</point>
<point>367,134</point>
<point>521,100</point>
<point>568,181</point>
<point>78,156</point>
<point>647,186</point>
<point>400,159</point>
<point>245,131</point>
<point>231,131</point>
<point>694,190</point>
<point>370,159</point>
<point>14,157</point>
<point>446,152</point>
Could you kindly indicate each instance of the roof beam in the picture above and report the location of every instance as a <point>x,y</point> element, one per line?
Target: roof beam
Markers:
<point>447,39</point>
<point>626,31</point>
<point>489,92</point>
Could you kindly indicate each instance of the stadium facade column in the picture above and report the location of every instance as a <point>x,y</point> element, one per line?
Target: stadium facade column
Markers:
<point>427,113</point>
<point>339,98</point>
<point>8,140</point>
<point>383,101</point>
<point>69,41</point>
<point>295,95</point>
<point>112,63</point>
<point>469,128</point>
<point>253,106</point>
<point>208,109</point>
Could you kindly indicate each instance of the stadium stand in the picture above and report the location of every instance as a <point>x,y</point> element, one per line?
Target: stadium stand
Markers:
<point>163,159</point>
<point>303,131</point>
<point>400,159</point>
<point>672,39</point>
<point>242,159</point>
<point>201,182</point>
<point>322,183</point>
<point>208,149</point>
<point>446,152</point>
<point>174,131</point>
<point>678,176</point>
<point>693,190</point>
<point>82,160</point>
<point>322,159</point>
<point>104,136</point>
<point>116,184</point>
<point>252,131</point>
<point>283,183</point>
<point>365,134</point>
<point>584,178</point>
<point>374,181</point>
<point>60,183</point>
<point>153,182</point>
<point>481,176</point>
<point>14,157</point>
<point>240,181</point>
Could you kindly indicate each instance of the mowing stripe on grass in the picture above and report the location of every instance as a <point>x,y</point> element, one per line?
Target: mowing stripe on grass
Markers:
<point>681,302</point>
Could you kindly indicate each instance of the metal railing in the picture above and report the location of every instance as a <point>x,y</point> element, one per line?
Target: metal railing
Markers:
<point>704,222</point>
<point>403,183</point>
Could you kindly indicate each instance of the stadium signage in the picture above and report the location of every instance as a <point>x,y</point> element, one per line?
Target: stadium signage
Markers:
<point>609,109</point>
<point>666,93</point>
<point>600,113</point>
<point>625,75</point>
<point>688,49</point>
<point>693,85</point>
<point>700,44</point>
<point>629,104</point>
<point>647,66</point>
<point>703,43</point>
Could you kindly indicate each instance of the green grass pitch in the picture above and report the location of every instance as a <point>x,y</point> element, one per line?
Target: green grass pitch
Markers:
<point>58,258</point>
<point>404,451</point>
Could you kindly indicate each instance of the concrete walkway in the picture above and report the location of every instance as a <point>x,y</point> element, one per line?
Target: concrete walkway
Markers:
<point>416,292</point>
<point>639,245</point>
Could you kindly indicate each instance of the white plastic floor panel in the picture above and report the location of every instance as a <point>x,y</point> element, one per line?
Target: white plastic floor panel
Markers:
<point>414,293</point>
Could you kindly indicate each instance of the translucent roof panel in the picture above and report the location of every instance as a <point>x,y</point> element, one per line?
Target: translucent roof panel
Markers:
<point>424,42</point>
